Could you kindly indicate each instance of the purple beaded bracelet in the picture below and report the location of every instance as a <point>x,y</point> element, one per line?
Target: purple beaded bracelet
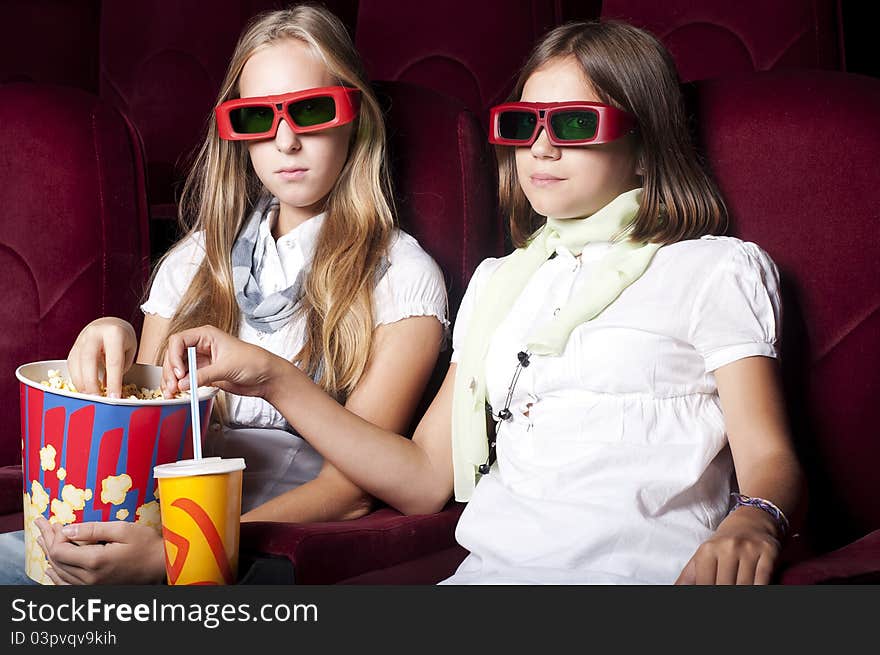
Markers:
<point>742,500</point>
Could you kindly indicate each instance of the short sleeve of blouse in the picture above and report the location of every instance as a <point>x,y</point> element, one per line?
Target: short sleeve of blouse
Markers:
<point>413,285</point>
<point>736,313</point>
<point>174,276</point>
<point>477,282</point>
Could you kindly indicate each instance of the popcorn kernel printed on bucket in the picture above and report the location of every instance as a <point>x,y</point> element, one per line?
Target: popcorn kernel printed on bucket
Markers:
<point>35,561</point>
<point>61,473</point>
<point>114,488</point>
<point>148,514</point>
<point>74,497</point>
<point>62,512</point>
<point>47,457</point>
<point>39,497</point>
<point>122,514</point>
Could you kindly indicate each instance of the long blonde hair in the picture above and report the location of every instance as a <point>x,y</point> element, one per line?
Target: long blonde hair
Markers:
<point>222,188</point>
<point>632,70</point>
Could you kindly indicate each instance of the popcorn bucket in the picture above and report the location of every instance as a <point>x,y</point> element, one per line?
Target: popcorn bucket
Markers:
<point>90,458</point>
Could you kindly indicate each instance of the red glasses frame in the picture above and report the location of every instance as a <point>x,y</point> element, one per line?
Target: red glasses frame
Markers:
<point>346,99</point>
<point>612,123</point>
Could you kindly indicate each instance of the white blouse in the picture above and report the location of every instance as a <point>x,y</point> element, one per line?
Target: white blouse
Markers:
<point>276,458</point>
<point>615,466</point>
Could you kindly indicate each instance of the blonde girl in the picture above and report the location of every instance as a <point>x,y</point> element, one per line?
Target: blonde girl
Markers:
<point>292,247</point>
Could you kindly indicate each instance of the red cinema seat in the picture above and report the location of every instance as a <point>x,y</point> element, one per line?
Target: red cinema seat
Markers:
<point>468,50</point>
<point>795,155</point>
<point>50,42</point>
<point>712,38</point>
<point>74,244</point>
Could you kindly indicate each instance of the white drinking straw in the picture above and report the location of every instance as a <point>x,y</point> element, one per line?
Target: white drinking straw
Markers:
<point>194,403</point>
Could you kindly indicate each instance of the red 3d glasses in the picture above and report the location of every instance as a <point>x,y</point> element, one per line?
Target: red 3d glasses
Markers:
<point>566,123</point>
<point>305,111</point>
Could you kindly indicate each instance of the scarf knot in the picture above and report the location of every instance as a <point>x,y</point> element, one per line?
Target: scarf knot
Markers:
<point>270,312</point>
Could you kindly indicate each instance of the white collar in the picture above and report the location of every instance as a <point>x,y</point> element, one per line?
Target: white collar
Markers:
<point>304,233</point>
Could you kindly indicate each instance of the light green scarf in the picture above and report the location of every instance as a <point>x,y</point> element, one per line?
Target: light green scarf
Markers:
<point>622,265</point>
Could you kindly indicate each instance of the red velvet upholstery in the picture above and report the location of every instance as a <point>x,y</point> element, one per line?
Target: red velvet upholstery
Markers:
<point>856,563</point>
<point>428,569</point>
<point>468,50</point>
<point>74,242</point>
<point>795,155</point>
<point>444,192</point>
<point>327,553</point>
<point>11,513</point>
<point>162,62</point>
<point>711,38</point>
<point>51,42</point>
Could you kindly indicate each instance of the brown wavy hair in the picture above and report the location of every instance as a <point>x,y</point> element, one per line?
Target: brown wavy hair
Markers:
<point>222,189</point>
<point>632,70</point>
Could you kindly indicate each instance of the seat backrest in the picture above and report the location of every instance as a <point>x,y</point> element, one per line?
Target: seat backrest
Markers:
<point>795,154</point>
<point>50,42</point>
<point>74,242</point>
<point>710,38</point>
<point>444,191</point>
<point>162,63</point>
<point>468,50</point>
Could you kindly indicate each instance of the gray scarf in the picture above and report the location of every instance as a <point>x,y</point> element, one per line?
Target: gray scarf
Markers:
<point>272,312</point>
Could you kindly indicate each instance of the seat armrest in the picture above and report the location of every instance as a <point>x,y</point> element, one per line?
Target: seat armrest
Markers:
<point>325,553</point>
<point>855,563</point>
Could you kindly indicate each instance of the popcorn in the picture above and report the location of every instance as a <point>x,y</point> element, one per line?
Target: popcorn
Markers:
<point>47,457</point>
<point>61,473</point>
<point>122,514</point>
<point>114,488</point>
<point>130,391</point>
<point>55,381</point>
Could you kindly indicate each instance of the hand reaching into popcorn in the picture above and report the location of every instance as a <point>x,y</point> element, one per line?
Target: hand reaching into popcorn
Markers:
<point>106,343</point>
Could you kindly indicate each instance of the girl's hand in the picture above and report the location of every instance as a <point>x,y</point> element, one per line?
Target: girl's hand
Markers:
<point>223,361</point>
<point>117,552</point>
<point>108,343</point>
<point>744,551</point>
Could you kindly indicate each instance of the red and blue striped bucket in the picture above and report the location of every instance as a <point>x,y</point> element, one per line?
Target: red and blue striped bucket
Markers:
<point>90,458</point>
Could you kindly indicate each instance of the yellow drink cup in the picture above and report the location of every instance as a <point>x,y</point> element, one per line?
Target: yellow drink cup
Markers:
<point>200,503</point>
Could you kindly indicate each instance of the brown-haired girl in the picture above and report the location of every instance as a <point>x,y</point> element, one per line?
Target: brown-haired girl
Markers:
<point>625,352</point>
<point>292,247</point>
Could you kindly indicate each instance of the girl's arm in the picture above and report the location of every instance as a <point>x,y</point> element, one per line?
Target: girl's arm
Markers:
<point>414,476</point>
<point>153,333</point>
<point>745,548</point>
<point>401,361</point>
